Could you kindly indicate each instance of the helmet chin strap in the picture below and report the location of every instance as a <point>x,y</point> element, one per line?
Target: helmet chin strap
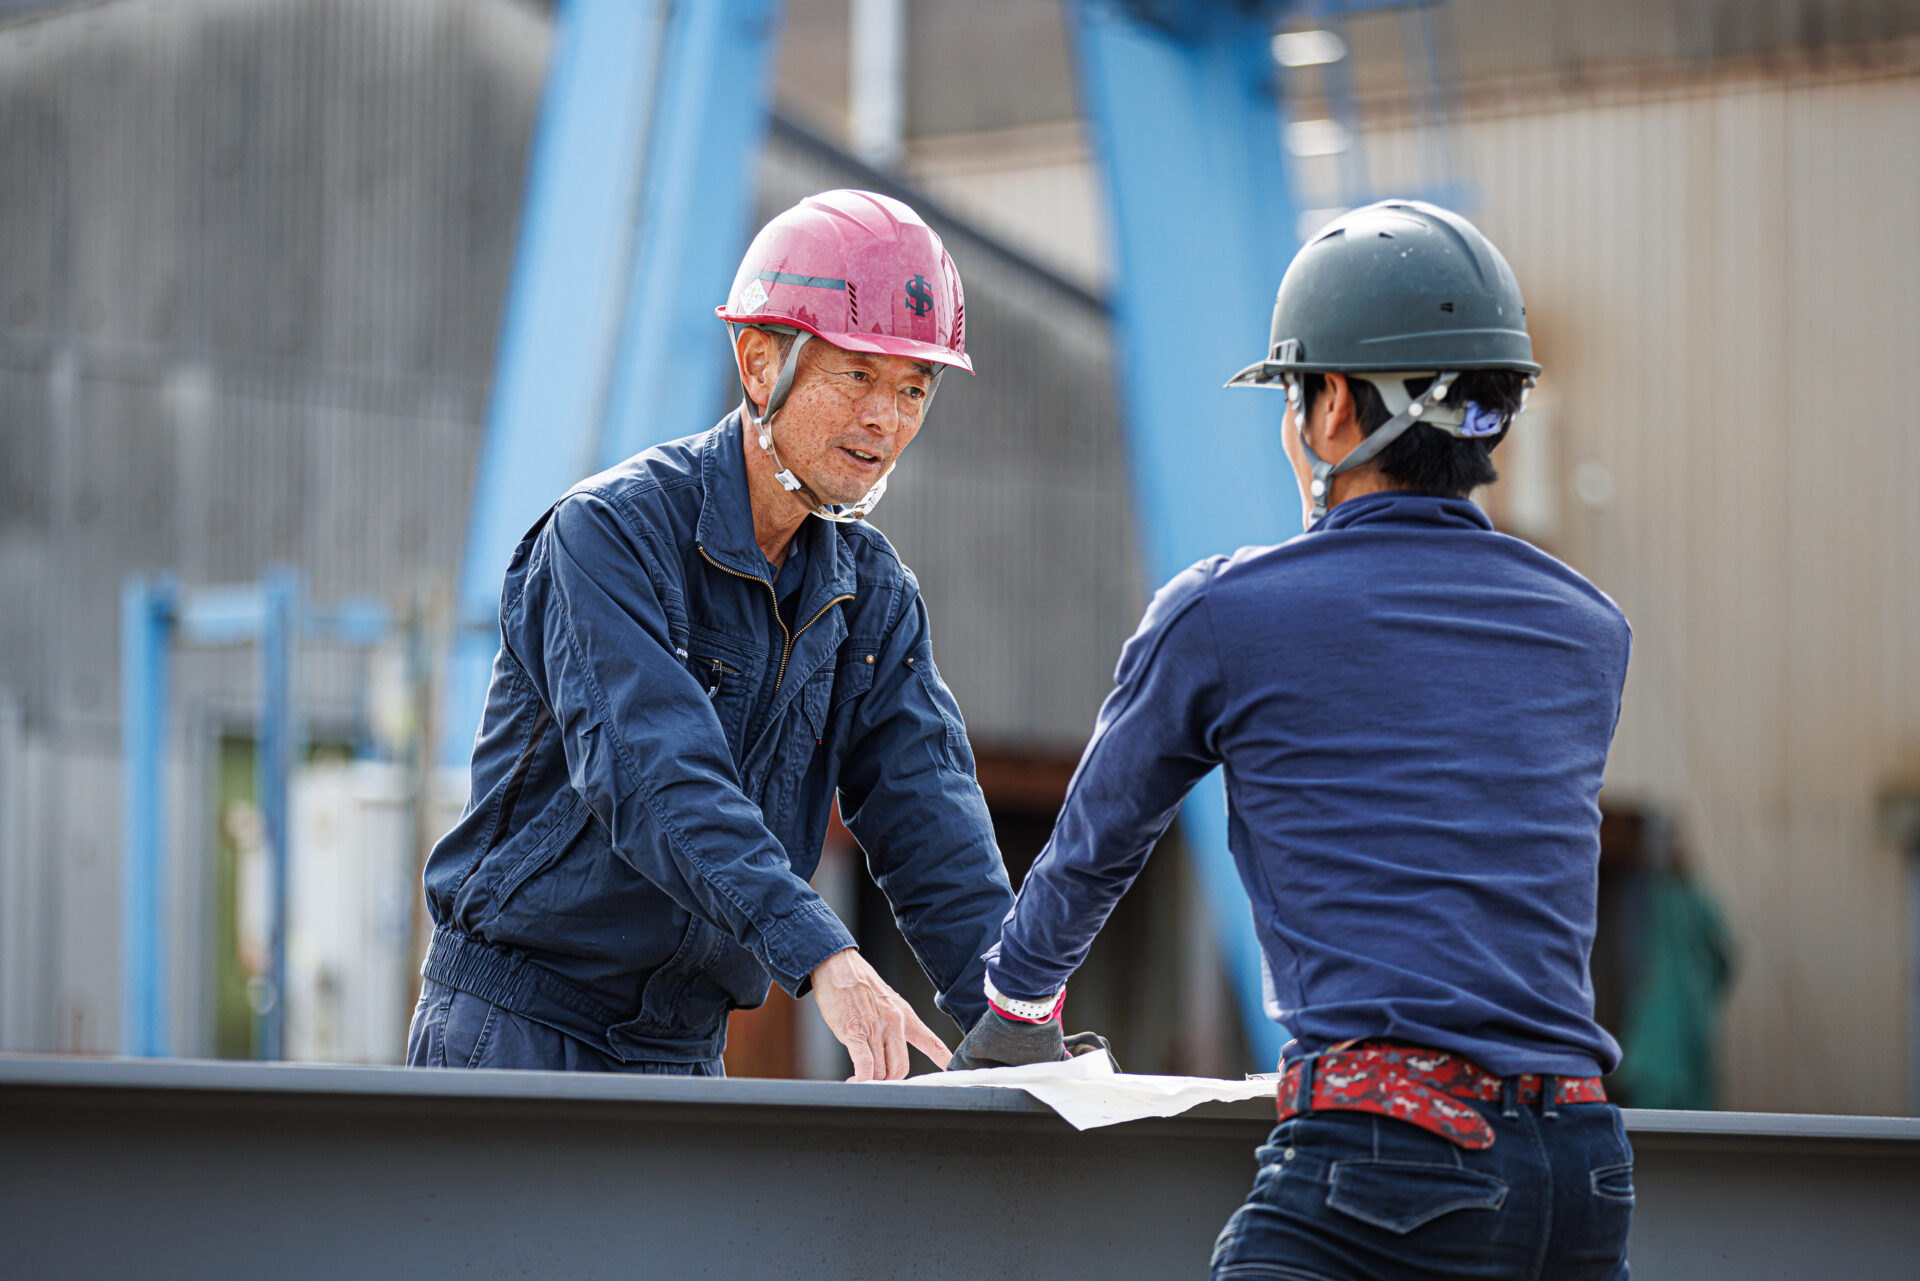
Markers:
<point>1406,412</point>
<point>839,513</point>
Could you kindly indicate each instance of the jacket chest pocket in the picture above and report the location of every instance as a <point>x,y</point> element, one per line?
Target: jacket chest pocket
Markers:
<point>838,698</point>
<point>831,695</point>
<point>727,672</point>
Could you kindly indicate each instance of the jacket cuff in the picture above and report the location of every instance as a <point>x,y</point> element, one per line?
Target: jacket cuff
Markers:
<point>800,942</point>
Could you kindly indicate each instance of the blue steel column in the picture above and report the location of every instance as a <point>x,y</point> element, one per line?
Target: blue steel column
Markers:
<point>278,750</point>
<point>1184,114</point>
<point>563,309</point>
<point>146,620</point>
<point>707,132</point>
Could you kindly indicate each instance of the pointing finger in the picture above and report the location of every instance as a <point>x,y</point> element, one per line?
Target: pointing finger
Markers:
<point>926,1040</point>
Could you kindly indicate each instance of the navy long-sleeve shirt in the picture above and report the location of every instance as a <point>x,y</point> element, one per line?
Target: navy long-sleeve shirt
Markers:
<point>1413,713</point>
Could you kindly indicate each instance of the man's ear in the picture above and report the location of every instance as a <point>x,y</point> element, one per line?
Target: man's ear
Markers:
<point>1342,430</point>
<point>756,352</point>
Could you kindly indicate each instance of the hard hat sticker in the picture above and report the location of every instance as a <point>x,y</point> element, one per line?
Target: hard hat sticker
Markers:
<point>919,296</point>
<point>754,296</point>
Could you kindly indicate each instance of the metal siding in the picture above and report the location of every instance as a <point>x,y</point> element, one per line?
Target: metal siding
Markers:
<point>253,259</point>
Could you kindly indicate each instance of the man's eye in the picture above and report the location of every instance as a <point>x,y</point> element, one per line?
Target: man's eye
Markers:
<point>918,393</point>
<point>860,374</point>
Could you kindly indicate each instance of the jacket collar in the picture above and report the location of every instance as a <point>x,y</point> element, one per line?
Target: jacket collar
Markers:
<point>1403,507</point>
<point>725,529</point>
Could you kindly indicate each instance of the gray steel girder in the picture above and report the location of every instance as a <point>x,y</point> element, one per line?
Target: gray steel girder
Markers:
<point>114,1168</point>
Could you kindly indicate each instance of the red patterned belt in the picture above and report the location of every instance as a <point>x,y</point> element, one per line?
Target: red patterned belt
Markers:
<point>1419,1087</point>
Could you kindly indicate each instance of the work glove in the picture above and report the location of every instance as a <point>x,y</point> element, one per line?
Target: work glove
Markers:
<point>998,1041</point>
<point>1088,1043</point>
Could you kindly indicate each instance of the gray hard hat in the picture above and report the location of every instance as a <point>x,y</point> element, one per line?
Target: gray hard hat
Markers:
<point>1398,285</point>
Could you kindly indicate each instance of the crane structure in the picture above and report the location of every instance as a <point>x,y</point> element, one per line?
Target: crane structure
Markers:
<point>635,215</point>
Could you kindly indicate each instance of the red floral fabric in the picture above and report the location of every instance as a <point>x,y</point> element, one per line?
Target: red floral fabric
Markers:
<point>1421,1087</point>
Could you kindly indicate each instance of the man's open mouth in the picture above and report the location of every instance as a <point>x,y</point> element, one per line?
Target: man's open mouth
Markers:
<point>861,456</point>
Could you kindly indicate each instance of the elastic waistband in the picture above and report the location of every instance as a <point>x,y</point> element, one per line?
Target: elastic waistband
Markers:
<point>531,990</point>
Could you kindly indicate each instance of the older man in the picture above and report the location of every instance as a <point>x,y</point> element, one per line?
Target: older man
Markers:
<point>690,668</point>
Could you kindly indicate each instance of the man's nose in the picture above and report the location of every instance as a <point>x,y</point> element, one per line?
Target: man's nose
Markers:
<point>882,411</point>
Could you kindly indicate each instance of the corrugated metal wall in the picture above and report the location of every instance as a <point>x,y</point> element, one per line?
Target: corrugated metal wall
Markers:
<point>253,260</point>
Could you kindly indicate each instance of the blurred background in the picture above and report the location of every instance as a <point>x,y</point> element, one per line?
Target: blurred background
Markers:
<point>267,265</point>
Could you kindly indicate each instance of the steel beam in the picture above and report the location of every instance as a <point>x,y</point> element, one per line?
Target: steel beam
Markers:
<point>191,1170</point>
<point>1182,109</point>
<point>708,126</point>
<point>562,317</point>
<point>636,208</point>
<point>279,748</point>
<point>146,625</point>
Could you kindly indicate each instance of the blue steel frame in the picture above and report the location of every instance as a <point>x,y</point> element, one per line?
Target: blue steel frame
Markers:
<point>564,301</point>
<point>281,737</point>
<point>146,623</point>
<point>635,214</point>
<point>1186,118</point>
<point>155,612</point>
<point>709,125</point>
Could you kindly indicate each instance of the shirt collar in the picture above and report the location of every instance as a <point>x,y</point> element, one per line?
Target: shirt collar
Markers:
<point>1404,507</point>
<point>725,529</point>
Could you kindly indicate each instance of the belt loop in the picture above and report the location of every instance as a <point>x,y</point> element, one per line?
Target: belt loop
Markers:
<point>1509,1096</point>
<point>1303,1099</point>
<point>1549,1095</point>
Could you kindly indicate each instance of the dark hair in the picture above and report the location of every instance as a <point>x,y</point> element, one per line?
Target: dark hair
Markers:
<point>1431,461</point>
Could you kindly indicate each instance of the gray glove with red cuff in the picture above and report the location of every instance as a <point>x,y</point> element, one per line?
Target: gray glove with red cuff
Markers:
<point>1012,1033</point>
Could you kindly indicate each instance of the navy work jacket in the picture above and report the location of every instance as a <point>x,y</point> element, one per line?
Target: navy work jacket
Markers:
<point>655,770</point>
<point>1413,712</point>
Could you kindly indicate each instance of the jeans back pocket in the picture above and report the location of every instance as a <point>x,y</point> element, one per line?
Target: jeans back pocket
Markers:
<point>1400,1196</point>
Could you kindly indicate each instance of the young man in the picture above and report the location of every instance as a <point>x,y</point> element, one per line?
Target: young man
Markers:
<point>1413,713</point>
<point>690,668</point>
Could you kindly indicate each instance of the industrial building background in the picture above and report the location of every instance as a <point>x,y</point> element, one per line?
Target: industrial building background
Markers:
<point>253,256</point>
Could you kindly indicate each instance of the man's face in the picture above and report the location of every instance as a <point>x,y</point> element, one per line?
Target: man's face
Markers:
<point>848,417</point>
<point>1290,427</point>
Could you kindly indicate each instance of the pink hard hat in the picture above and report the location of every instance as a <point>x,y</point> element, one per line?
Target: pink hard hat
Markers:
<point>861,271</point>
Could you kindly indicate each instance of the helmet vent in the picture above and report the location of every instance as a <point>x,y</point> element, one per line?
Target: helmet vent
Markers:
<point>853,306</point>
<point>1446,306</point>
<point>960,325</point>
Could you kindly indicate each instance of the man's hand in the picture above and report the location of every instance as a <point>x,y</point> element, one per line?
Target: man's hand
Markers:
<point>872,1020</point>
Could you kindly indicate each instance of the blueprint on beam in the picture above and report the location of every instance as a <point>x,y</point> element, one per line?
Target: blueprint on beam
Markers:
<point>1088,1092</point>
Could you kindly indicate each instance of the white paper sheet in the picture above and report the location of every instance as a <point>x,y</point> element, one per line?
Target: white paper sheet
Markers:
<point>1087,1092</point>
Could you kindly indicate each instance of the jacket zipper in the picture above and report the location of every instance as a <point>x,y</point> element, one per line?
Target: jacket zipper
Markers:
<point>774,598</point>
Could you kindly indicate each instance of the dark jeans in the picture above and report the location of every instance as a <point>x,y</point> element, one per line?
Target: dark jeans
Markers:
<point>452,1028</point>
<point>1350,1195</point>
